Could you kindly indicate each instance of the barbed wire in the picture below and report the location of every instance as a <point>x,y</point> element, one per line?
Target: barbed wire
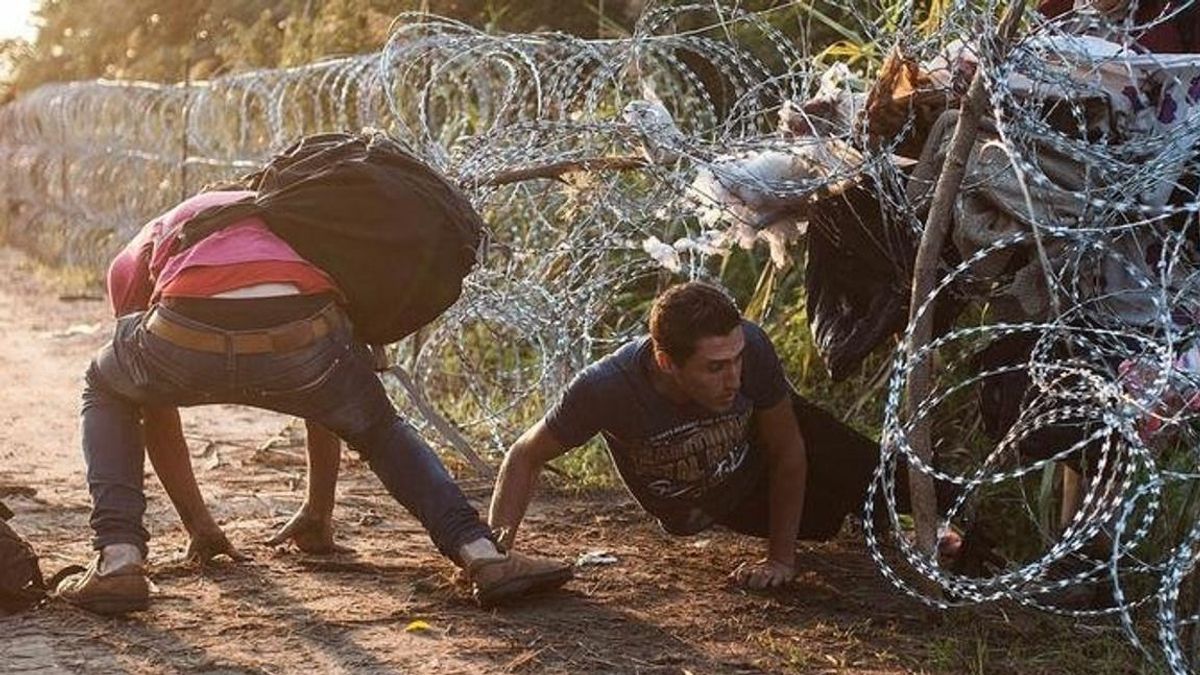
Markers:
<point>1106,377</point>
<point>599,162</point>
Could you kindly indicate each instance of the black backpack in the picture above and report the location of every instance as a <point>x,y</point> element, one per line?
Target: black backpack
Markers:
<point>396,236</point>
<point>21,582</point>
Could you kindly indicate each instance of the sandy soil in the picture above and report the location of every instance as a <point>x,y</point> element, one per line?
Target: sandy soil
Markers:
<point>662,607</point>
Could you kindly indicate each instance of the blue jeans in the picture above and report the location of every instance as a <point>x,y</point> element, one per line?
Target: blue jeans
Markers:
<point>331,381</point>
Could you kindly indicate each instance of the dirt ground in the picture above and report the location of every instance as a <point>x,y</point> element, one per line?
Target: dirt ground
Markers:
<point>395,606</point>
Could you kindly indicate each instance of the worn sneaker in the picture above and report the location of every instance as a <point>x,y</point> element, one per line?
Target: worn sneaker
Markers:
<point>498,580</point>
<point>125,589</point>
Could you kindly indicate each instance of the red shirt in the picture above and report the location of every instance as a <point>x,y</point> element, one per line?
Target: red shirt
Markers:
<point>243,254</point>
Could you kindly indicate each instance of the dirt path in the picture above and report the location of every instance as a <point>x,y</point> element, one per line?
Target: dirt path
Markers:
<point>661,608</point>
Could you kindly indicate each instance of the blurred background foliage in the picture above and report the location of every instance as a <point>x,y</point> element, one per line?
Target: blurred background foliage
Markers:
<point>174,40</point>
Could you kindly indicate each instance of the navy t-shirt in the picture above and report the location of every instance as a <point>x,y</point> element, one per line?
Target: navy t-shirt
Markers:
<point>683,463</point>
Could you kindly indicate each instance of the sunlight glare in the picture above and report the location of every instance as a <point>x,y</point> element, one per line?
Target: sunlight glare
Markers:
<point>15,18</point>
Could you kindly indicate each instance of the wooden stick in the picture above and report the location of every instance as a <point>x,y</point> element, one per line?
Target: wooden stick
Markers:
<point>557,169</point>
<point>1072,496</point>
<point>937,225</point>
<point>443,426</point>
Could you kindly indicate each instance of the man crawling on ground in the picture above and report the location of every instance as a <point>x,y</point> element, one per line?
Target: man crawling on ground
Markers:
<point>704,430</point>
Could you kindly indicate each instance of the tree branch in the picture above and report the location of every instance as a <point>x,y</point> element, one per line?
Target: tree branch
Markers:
<point>443,426</point>
<point>937,225</point>
<point>557,169</point>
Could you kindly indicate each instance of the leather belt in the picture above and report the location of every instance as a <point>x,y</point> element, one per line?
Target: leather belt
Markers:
<point>290,336</point>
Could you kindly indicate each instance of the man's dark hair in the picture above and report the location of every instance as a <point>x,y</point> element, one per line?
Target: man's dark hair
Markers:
<point>684,314</point>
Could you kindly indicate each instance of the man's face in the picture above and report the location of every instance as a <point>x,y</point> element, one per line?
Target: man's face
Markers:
<point>712,375</point>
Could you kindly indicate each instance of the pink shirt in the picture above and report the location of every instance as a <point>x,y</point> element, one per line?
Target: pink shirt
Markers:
<point>143,271</point>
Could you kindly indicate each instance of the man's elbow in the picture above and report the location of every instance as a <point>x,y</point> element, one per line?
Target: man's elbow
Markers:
<point>521,458</point>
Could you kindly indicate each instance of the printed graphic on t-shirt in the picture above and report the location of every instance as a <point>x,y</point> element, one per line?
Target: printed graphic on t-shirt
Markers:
<point>688,460</point>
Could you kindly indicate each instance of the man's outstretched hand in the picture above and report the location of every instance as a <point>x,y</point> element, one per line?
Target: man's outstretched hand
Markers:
<point>760,574</point>
<point>208,543</point>
<point>311,532</point>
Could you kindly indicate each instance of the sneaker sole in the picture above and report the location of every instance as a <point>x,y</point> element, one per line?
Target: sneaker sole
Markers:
<point>525,585</point>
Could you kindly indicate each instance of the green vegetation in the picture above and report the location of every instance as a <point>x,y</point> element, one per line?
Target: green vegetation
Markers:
<point>165,41</point>
<point>168,41</point>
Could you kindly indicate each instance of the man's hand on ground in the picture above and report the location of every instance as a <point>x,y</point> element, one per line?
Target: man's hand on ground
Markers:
<point>208,543</point>
<point>760,574</point>
<point>311,532</point>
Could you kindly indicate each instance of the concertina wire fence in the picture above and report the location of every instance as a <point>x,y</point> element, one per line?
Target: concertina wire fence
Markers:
<point>1112,347</point>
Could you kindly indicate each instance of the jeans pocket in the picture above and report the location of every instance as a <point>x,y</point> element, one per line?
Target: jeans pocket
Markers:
<point>297,375</point>
<point>175,367</point>
<point>311,385</point>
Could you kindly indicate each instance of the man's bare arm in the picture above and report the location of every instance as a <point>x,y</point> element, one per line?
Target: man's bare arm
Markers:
<point>787,467</point>
<point>517,478</point>
<point>168,451</point>
<point>311,528</point>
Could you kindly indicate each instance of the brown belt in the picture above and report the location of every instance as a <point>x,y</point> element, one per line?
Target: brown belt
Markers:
<point>285,338</point>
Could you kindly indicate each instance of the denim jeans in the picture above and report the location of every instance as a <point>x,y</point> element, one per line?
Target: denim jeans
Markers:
<point>841,466</point>
<point>331,381</point>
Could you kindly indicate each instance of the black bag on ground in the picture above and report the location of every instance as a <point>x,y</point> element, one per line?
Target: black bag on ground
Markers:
<point>396,236</point>
<point>857,278</point>
<point>21,582</point>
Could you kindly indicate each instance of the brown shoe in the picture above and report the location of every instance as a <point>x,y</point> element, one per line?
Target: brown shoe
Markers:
<point>499,580</point>
<point>122,590</point>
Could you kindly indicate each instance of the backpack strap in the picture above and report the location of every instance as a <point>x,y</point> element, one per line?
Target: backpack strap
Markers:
<point>213,219</point>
